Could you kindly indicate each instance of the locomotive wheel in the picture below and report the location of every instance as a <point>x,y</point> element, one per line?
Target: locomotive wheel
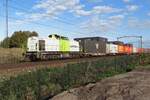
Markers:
<point>33,58</point>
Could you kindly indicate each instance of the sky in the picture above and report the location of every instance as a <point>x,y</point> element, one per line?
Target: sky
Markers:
<point>79,18</point>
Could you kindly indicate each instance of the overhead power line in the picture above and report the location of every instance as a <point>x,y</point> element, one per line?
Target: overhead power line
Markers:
<point>30,12</point>
<point>36,23</point>
<point>138,37</point>
<point>61,19</point>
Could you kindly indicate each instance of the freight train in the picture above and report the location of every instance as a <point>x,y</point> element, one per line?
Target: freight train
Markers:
<point>58,47</point>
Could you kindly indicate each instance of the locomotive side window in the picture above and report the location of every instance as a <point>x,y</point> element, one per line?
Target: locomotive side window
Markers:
<point>36,46</point>
<point>42,45</point>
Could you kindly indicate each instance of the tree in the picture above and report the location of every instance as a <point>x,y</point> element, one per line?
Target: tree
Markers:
<point>5,43</point>
<point>33,33</point>
<point>18,39</point>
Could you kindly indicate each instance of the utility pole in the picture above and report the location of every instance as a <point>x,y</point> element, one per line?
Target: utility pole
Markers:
<point>141,41</point>
<point>6,11</point>
<point>140,37</point>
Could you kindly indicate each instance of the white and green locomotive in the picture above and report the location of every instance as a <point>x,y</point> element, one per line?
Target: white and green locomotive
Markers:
<point>52,47</point>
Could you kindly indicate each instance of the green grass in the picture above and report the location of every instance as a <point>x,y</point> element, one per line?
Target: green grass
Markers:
<point>37,85</point>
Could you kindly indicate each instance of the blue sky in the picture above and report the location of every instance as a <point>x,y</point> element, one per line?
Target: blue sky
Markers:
<point>79,18</point>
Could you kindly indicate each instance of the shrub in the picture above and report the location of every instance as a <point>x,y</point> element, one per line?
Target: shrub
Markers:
<point>39,84</point>
<point>11,55</point>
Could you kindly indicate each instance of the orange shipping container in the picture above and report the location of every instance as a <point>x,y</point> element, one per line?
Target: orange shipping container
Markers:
<point>121,49</point>
<point>127,49</point>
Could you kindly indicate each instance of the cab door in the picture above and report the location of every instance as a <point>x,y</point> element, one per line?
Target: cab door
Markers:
<point>41,45</point>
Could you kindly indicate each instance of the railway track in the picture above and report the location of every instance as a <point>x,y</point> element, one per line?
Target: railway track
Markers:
<point>25,66</point>
<point>28,66</point>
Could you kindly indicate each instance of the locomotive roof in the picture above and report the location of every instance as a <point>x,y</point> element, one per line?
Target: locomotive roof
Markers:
<point>58,36</point>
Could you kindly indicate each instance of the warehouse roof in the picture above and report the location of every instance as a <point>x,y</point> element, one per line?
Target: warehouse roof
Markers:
<point>116,42</point>
<point>93,38</point>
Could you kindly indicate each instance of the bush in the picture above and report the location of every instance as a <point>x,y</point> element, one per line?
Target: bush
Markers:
<point>11,55</point>
<point>37,85</point>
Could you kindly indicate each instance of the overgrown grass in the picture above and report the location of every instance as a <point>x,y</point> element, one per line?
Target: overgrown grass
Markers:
<point>39,84</point>
<point>10,55</point>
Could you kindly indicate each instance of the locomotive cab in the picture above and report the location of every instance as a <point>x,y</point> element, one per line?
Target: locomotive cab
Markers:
<point>32,48</point>
<point>32,44</point>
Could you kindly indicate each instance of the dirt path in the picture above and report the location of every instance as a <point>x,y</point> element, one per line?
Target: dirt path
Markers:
<point>134,85</point>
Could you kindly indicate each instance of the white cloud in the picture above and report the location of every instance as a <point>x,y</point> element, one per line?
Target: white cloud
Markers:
<point>132,7</point>
<point>79,10</point>
<point>51,8</point>
<point>126,1</point>
<point>19,13</point>
<point>95,24</point>
<point>55,7</point>
<point>94,1</point>
<point>136,24</point>
<point>74,6</point>
<point>148,14</point>
<point>105,9</point>
<point>116,17</point>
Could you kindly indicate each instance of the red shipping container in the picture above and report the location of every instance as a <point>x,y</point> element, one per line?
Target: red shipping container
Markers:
<point>131,49</point>
<point>140,50</point>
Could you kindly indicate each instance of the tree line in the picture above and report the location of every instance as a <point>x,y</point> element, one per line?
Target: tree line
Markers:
<point>18,39</point>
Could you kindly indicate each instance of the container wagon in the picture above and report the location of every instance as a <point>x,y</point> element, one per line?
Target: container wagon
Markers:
<point>135,50</point>
<point>140,50</point>
<point>111,49</point>
<point>92,45</point>
<point>121,47</point>
<point>146,50</point>
<point>55,46</point>
<point>128,48</point>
